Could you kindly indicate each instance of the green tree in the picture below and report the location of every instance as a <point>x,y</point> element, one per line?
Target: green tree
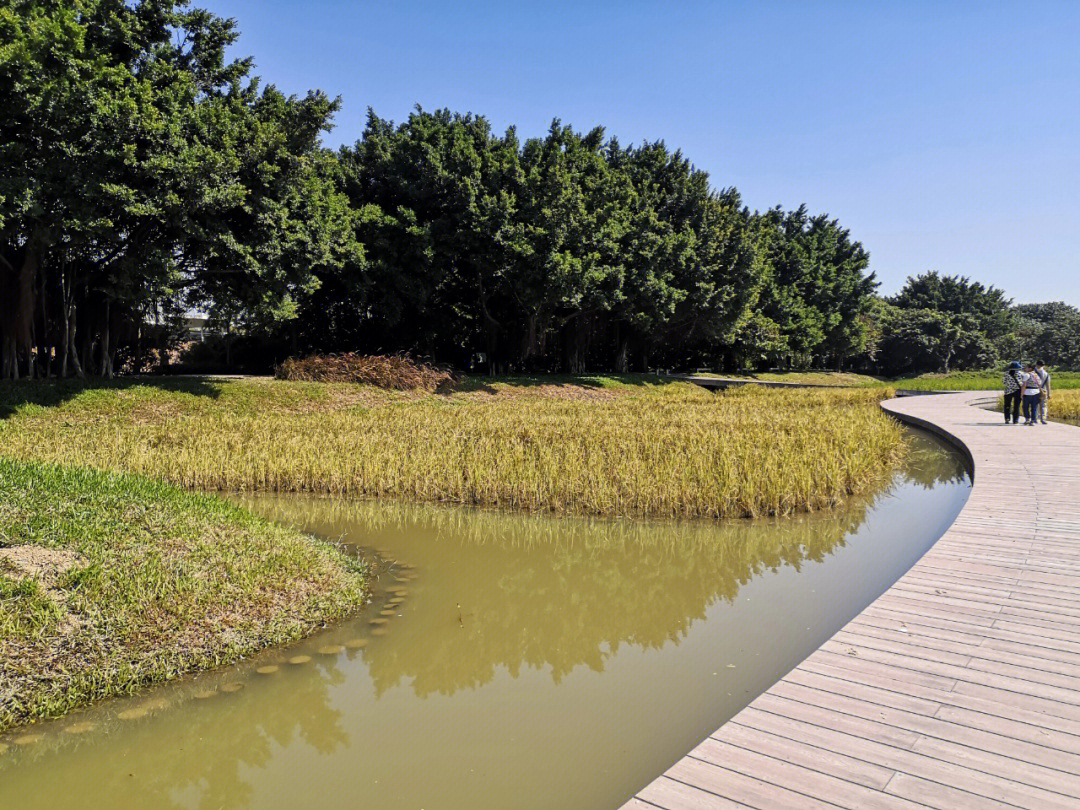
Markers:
<point>917,340</point>
<point>138,163</point>
<point>816,288</point>
<point>957,295</point>
<point>1049,332</point>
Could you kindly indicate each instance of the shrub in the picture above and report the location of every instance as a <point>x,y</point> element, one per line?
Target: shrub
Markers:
<point>396,372</point>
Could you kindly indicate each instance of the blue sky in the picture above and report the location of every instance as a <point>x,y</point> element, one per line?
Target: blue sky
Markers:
<point>944,135</point>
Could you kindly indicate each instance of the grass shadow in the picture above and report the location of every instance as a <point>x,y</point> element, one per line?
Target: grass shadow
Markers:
<point>593,381</point>
<point>55,392</point>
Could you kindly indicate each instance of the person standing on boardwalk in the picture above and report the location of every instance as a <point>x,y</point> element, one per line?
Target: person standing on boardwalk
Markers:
<point>1044,379</point>
<point>1013,382</point>
<point>1032,392</point>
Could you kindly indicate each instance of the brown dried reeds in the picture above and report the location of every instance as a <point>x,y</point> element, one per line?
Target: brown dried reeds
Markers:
<point>394,371</point>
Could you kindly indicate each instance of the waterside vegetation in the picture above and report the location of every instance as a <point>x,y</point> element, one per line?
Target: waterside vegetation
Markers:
<point>1065,406</point>
<point>608,446</point>
<point>953,381</point>
<point>111,581</point>
<point>975,381</point>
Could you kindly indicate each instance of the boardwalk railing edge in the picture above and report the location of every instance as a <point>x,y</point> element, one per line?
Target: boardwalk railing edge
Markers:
<point>938,430</point>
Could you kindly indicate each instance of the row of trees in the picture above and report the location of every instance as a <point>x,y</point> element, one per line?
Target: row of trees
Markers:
<point>142,175</point>
<point>573,252</point>
<point>944,323</point>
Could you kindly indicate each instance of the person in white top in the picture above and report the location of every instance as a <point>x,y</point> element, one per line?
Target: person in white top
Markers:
<point>1032,392</point>
<point>1044,379</point>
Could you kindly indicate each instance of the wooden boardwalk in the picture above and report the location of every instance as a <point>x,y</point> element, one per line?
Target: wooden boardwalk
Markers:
<point>959,687</point>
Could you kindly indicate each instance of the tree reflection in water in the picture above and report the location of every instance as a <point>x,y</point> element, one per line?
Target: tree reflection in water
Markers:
<point>554,593</point>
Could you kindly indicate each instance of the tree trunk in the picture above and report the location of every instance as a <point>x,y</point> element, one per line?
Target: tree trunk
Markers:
<point>87,352</point>
<point>163,344</point>
<point>23,321</point>
<point>530,343</point>
<point>9,367</point>
<point>74,352</point>
<point>228,343</point>
<point>66,344</point>
<point>69,313</point>
<point>45,346</point>
<point>106,349</point>
<point>622,356</point>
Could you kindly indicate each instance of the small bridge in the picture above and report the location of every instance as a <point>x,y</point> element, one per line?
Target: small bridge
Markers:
<point>959,687</point>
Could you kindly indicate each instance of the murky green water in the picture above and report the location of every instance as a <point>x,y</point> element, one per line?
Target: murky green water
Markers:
<point>522,661</point>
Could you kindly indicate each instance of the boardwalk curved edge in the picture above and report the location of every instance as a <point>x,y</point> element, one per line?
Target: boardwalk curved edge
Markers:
<point>959,687</point>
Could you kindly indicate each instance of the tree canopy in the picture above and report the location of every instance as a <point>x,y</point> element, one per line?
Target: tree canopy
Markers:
<point>143,175</point>
<point>142,171</point>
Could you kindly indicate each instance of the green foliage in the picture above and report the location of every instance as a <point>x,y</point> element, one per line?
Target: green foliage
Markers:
<point>184,183</point>
<point>140,167</point>
<point>142,174</point>
<point>1049,332</point>
<point>936,323</point>
<point>817,291</point>
<point>567,251</point>
<point>916,340</point>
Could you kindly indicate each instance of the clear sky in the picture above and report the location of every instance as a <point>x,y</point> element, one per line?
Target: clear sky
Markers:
<point>944,135</point>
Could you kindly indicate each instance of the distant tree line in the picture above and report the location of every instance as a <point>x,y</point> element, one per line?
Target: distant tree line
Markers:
<point>948,323</point>
<point>143,175</point>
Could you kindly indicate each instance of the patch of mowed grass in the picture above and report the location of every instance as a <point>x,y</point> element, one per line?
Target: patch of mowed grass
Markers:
<point>844,379</point>
<point>160,582</point>
<point>975,381</point>
<point>953,381</point>
<point>608,446</point>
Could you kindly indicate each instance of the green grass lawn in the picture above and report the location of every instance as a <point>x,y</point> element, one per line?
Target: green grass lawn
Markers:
<point>112,581</point>
<point>954,381</point>
<point>976,381</point>
<point>843,379</point>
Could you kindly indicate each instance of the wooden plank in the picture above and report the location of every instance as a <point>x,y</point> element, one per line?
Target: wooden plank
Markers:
<point>1027,786</point>
<point>811,782</point>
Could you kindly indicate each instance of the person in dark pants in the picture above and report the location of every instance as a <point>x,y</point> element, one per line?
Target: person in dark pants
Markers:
<point>1013,382</point>
<point>1044,378</point>
<point>1032,391</point>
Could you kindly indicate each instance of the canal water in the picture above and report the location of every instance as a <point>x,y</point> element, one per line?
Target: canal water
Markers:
<point>506,660</point>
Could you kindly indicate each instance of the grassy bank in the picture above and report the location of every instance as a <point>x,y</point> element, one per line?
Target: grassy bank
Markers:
<point>975,381</point>
<point>839,379</point>
<point>112,581</point>
<point>954,381</point>
<point>590,445</point>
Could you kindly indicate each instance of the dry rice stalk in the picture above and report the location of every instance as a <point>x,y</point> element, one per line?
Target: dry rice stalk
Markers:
<point>396,372</point>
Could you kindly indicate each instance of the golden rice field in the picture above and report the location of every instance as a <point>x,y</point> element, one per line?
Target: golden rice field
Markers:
<point>1065,405</point>
<point>596,446</point>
